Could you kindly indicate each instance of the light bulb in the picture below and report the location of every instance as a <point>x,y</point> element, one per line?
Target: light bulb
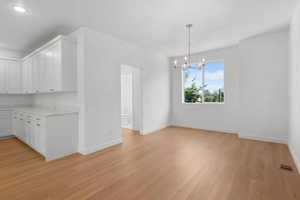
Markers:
<point>175,64</point>
<point>19,9</point>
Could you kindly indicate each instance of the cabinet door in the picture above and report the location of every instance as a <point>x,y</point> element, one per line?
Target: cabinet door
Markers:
<point>24,77</point>
<point>18,126</point>
<point>32,136</point>
<point>2,77</point>
<point>13,77</point>
<point>28,132</point>
<point>27,76</point>
<point>15,124</point>
<point>54,67</point>
<point>5,123</point>
<point>42,57</point>
<point>68,67</point>
<point>47,69</point>
<point>43,67</point>
<point>35,74</point>
<point>21,127</point>
<point>38,136</point>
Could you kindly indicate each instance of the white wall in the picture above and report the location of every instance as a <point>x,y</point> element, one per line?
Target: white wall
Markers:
<point>264,87</point>
<point>99,85</point>
<point>219,117</point>
<point>56,100</point>
<point>294,86</point>
<point>256,90</point>
<point>156,89</point>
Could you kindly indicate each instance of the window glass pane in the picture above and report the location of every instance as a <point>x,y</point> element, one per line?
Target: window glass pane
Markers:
<point>214,81</point>
<point>192,80</point>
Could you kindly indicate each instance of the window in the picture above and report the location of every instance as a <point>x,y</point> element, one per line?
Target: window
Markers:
<point>204,84</point>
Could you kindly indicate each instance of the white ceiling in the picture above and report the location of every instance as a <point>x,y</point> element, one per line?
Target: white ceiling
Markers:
<point>46,19</point>
<point>158,24</point>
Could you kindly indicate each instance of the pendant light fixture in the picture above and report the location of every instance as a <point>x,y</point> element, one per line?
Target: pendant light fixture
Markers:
<point>187,57</point>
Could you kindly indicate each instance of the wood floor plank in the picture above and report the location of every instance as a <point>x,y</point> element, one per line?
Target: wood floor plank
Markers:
<point>171,164</point>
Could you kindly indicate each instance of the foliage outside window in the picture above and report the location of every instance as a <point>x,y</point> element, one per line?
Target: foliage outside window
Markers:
<point>204,84</point>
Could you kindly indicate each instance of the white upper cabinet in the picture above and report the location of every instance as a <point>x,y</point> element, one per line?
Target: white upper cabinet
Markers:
<point>53,67</point>
<point>13,74</point>
<point>10,77</point>
<point>27,81</point>
<point>2,77</point>
<point>38,73</point>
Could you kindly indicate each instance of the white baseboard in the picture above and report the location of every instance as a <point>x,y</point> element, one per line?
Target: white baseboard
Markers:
<point>6,137</point>
<point>149,131</point>
<point>205,129</point>
<point>95,148</point>
<point>295,157</point>
<point>265,139</point>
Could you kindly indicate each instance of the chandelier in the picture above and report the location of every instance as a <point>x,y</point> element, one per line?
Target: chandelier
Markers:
<point>187,63</point>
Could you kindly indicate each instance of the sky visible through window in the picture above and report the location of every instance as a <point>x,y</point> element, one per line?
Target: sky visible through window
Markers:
<point>214,76</point>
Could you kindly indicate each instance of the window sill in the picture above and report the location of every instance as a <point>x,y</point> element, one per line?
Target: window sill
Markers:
<point>223,103</point>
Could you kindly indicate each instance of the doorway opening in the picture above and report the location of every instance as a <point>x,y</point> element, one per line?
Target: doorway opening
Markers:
<point>130,100</point>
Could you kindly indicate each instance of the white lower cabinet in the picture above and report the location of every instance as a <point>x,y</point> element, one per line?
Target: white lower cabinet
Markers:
<point>39,136</point>
<point>52,136</point>
<point>18,125</point>
<point>29,131</point>
<point>5,123</point>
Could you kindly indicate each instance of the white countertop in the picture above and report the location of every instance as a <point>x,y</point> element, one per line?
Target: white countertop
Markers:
<point>10,107</point>
<point>41,110</point>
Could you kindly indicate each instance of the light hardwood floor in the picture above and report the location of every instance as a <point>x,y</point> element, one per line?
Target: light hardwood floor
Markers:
<point>174,163</point>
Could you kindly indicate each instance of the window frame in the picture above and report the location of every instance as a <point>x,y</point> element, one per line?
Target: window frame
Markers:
<point>205,103</point>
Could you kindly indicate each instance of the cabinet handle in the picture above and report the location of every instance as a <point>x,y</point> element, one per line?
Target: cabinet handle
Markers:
<point>52,90</point>
<point>28,122</point>
<point>38,124</point>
